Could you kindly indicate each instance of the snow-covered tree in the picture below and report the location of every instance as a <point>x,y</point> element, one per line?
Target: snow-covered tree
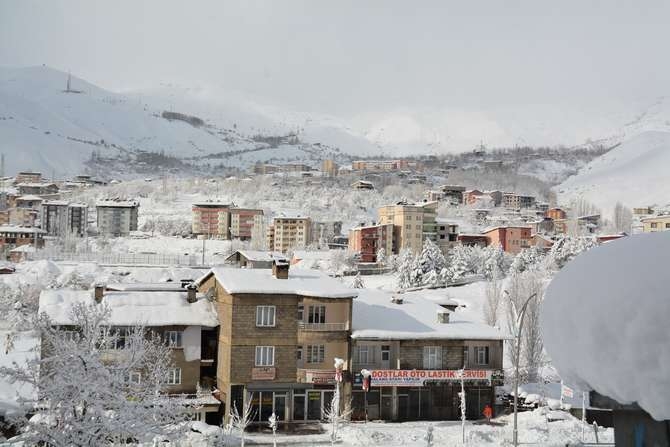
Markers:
<point>357,283</point>
<point>460,263</point>
<point>405,265</point>
<point>381,257</point>
<point>494,295</point>
<point>90,394</point>
<point>493,260</point>
<point>526,259</point>
<point>623,218</point>
<point>431,258</point>
<point>240,421</point>
<point>565,249</point>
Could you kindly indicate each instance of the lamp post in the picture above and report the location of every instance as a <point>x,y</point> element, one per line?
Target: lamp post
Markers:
<point>518,315</point>
<point>366,386</point>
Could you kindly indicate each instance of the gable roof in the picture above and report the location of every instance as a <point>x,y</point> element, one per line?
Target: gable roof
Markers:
<point>376,317</point>
<point>256,255</point>
<point>261,281</point>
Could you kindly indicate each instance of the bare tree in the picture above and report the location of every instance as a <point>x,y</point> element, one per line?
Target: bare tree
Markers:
<point>240,421</point>
<point>623,218</point>
<point>493,299</point>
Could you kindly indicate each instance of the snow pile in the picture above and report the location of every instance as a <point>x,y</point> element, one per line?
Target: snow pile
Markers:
<point>617,344</point>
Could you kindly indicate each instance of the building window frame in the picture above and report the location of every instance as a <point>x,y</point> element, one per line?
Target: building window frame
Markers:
<point>316,353</point>
<point>264,356</point>
<point>482,355</point>
<point>174,339</point>
<point>174,376</point>
<point>266,316</point>
<point>317,314</point>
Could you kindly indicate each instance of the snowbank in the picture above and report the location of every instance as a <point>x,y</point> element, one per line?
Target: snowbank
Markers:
<point>617,343</point>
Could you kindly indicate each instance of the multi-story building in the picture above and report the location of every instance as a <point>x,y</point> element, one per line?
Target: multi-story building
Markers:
<point>412,223</point>
<point>656,223</point>
<point>329,168</point>
<point>289,232</point>
<point>22,217</point>
<point>279,335</point>
<point>368,240</point>
<point>185,319</point>
<point>326,231</point>
<point>28,177</point>
<point>40,189</point>
<point>29,201</point>
<point>12,236</point>
<point>413,349</point>
<point>62,218</point>
<point>512,239</point>
<point>447,234</point>
<point>380,165</point>
<point>363,185</point>
<point>453,193</point>
<point>556,213</point>
<point>266,168</point>
<point>117,217</point>
<point>225,221</point>
<point>515,201</point>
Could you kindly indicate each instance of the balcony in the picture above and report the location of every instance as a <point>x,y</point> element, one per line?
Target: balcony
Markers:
<point>322,327</point>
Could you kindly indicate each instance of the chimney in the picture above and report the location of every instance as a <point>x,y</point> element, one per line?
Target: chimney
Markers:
<point>280,268</point>
<point>191,289</point>
<point>397,300</point>
<point>98,292</point>
<point>185,282</point>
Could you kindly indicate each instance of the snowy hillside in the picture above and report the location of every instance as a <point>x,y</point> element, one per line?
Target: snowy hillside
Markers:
<point>45,127</point>
<point>634,173</point>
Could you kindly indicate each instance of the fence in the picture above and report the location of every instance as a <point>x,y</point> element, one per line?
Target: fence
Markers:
<point>152,259</point>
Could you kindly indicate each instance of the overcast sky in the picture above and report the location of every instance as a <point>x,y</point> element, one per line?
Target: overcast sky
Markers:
<point>351,57</point>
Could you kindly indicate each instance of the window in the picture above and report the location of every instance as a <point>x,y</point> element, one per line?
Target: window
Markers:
<point>482,355</point>
<point>667,225</point>
<point>173,339</point>
<point>316,353</point>
<point>69,335</point>
<point>317,314</point>
<point>120,338</point>
<point>265,355</point>
<point>466,356</point>
<point>134,378</point>
<point>364,355</point>
<point>432,357</point>
<point>301,312</point>
<point>654,225</point>
<point>386,353</point>
<point>265,316</point>
<point>174,376</point>
<point>298,353</point>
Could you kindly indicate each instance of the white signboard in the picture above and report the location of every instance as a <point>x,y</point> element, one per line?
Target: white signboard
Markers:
<point>417,377</point>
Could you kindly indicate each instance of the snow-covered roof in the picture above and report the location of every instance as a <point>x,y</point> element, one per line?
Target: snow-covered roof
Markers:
<point>17,229</point>
<point>56,202</point>
<point>35,185</point>
<point>261,281</point>
<point>28,248</point>
<point>321,255</point>
<point>118,203</point>
<point>376,317</point>
<point>290,215</point>
<point>29,198</point>
<point>615,340</point>
<point>213,204</point>
<point>172,286</point>
<point>258,255</point>
<point>131,308</point>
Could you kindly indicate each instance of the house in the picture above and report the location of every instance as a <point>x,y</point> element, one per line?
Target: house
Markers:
<point>453,193</point>
<point>185,319</point>
<point>412,224</point>
<point>63,218</point>
<point>555,213</point>
<point>288,232</point>
<point>254,259</point>
<point>544,225</point>
<point>12,236</point>
<point>28,177</point>
<point>21,253</point>
<point>362,184</point>
<point>473,240</point>
<point>589,224</point>
<point>368,240</point>
<point>117,217</point>
<point>29,201</point>
<point>40,189</point>
<point>413,350</point>
<point>433,196</point>
<point>512,239</point>
<point>280,332</point>
<point>541,241</point>
<point>656,223</point>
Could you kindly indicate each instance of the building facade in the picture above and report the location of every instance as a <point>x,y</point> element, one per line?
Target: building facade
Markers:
<point>368,240</point>
<point>289,232</point>
<point>412,224</point>
<point>117,217</point>
<point>279,336</point>
<point>61,218</point>
<point>655,223</point>
<point>511,239</point>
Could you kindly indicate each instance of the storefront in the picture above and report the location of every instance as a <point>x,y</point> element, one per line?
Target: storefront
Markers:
<point>405,395</point>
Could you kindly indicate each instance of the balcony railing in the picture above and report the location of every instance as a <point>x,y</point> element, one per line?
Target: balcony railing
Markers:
<point>323,327</point>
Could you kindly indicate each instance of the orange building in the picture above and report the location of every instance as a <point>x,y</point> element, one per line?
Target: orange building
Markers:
<point>555,214</point>
<point>511,239</point>
<point>368,240</point>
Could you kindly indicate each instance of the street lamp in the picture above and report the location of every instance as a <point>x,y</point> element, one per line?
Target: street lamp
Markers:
<point>366,386</point>
<point>518,315</point>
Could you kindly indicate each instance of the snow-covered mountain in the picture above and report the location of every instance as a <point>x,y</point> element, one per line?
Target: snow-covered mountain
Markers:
<point>635,173</point>
<point>45,127</point>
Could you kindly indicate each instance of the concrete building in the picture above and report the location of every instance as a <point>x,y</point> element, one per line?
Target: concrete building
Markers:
<point>656,223</point>
<point>556,213</point>
<point>280,333</point>
<point>225,221</point>
<point>14,236</point>
<point>329,168</point>
<point>62,218</point>
<point>447,234</point>
<point>243,221</point>
<point>289,232</point>
<point>412,224</point>
<point>516,201</point>
<point>362,184</point>
<point>511,239</point>
<point>40,189</point>
<point>380,165</point>
<point>368,240</point>
<point>28,177</point>
<point>453,193</point>
<point>414,352</point>
<point>22,217</point>
<point>117,217</point>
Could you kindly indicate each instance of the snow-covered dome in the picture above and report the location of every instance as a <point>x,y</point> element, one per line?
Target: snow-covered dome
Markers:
<point>606,321</point>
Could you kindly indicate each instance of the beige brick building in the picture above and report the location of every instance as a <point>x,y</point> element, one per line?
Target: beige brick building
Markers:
<point>412,224</point>
<point>655,223</point>
<point>225,221</point>
<point>289,232</point>
<point>280,333</point>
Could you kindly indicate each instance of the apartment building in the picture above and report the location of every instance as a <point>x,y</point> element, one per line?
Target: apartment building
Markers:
<point>185,319</point>
<point>28,177</point>
<point>329,168</point>
<point>40,189</point>
<point>225,221</point>
<point>516,201</point>
<point>453,193</point>
<point>412,223</point>
<point>289,232</point>
<point>22,217</point>
<point>280,333</point>
<point>380,165</point>
<point>656,223</point>
<point>413,350</point>
<point>368,240</point>
<point>512,239</point>
<point>12,236</point>
<point>29,201</point>
<point>556,213</point>
<point>447,234</point>
<point>117,217</point>
<point>62,218</point>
